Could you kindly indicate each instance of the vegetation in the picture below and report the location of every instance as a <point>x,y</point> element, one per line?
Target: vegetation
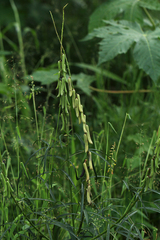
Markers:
<point>80,136</point>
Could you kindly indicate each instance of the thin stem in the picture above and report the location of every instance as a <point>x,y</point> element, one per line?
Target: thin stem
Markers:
<point>150,18</point>
<point>19,34</point>
<point>28,218</point>
<point>130,206</point>
<point>127,115</point>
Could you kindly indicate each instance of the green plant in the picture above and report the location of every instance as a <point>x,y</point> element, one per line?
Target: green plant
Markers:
<point>60,186</point>
<point>118,36</point>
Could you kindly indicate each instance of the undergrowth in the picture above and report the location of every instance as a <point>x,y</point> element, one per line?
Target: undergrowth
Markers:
<point>76,169</point>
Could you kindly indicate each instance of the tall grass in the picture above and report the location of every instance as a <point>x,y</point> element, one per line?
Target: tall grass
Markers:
<point>55,184</point>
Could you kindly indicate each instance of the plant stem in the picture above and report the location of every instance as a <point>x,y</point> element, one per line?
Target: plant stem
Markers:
<point>130,206</point>
<point>127,115</point>
<point>19,33</point>
<point>150,18</point>
<point>28,218</point>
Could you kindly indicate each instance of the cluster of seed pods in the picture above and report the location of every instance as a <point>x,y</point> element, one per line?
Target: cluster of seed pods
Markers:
<point>63,81</point>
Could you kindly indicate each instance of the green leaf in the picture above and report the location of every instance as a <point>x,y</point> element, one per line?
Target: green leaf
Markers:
<point>4,89</point>
<point>110,47</point>
<point>100,71</point>
<point>83,82</point>
<point>118,37</point>
<point>6,53</point>
<point>150,4</point>
<point>146,54</point>
<point>129,9</point>
<point>44,76</point>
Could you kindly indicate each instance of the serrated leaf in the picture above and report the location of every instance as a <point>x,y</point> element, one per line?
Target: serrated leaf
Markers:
<point>146,54</point>
<point>117,38</point>
<point>130,9</point>
<point>150,4</point>
<point>110,47</point>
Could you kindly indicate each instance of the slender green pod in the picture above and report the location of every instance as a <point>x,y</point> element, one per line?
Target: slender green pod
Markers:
<point>73,98</point>
<point>86,171</point>
<point>90,160</point>
<point>9,186</point>
<point>24,169</point>
<point>86,142</point>
<point>66,105</point>
<point>89,193</point>
<point>63,86</point>
<point>83,118</point>
<point>59,88</point>
<point>76,107</point>
<point>88,135</point>
<point>84,128</point>
<point>59,65</point>
<point>63,63</point>
<point>63,124</point>
<point>4,170</point>
<point>70,86</point>
<point>79,119</point>
<point>4,184</point>
<point>63,101</point>
<point>79,104</point>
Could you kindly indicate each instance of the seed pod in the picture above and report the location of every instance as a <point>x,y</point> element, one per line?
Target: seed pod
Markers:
<point>4,170</point>
<point>76,102</point>
<point>86,142</point>
<point>63,101</point>
<point>73,97</point>
<point>70,86</point>
<point>8,190</point>
<point>4,183</point>
<point>9,186</point>
<point>76,107</point>
<point>59,65</point>
<point>77,112</point>
<point>86,171</point>
<point>24,169</point>
<point>152,168</point>
<point>79,103</point>
<point>147,183</point>
<point>63,86</point>
<point>66,105</point>
<point>63,63</point>
<point>83,118</point>
<point>84,128</point>
<point>79,119</point>
<point>59,79</point>
<point>90,160</point>
<point>81,108</point>
<point>63,124</point>
<point>88,135</point>
<point>59,88</point>
<point>89,193</point>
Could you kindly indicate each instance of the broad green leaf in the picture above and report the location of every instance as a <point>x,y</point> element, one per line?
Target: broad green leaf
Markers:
<point>130,9</point>
<point>150,4</point>
<point>146,54</point>
<point>118,37</point>
<point>44,76</point>
<point>110,47</point>
<point>83,82</point>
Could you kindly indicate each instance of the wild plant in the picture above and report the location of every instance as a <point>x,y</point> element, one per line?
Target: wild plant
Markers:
<point>50,200</point>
